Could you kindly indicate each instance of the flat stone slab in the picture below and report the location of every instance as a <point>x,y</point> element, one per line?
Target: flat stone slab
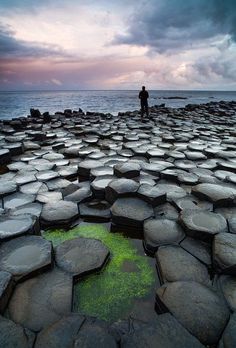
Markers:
<point>12,226</point>
<point>40,301</point>
<point>172,191</point>
<point>60,334</point>
<point>131,212</point>
<point>152,194</point>
<point>120,188</point>
<point>25,256</point>
<point>14,335</point>
<point>165,332</point>
<point>30,208</point>
<point>59,213</point>
<point>81,256</point>
<point>228,287</point>
<point>48,197</point>
<point>228,339</point>
<point>198,248</point>
<point>7,187</point>
<point>161,231</point>
<point>127,170</point>
<point>202,224</point>
<point>217,194</point>
<point>6,287</point>
<point>17,199</point>
<point>80,195</point>
<point>97,210</point>
<point>224,253</point>
<point>86,166</point>
<point>174,264</point>
<point>199,309</point>
<point>47,175</point>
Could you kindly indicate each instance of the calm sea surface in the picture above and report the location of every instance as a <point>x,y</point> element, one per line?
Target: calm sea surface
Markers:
<point>18,104</point>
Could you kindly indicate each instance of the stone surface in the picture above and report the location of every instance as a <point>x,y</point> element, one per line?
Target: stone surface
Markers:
<point>217,194</point>
<point>14,336</point>
<point>197,248</point>
<point>228,339</point>
<point>7,187</point>
<point>40,301</point>
<point>161,231</point>
<point>152,194</point>
<point>59,213</point>
<point>201,224</point>
<point>131,212</point>
<point>174,263</point>
<point>120,188</point>
<point>25,256</point>
<point>80,195</point>
<point>81,256</point>
<point>228,287</point>
<point>224,253</point>
<point>6,288</point>
<point>12,226</point>
<point>17,199</point>
<point>127,170</point>
<point>165,332</point>
<point>199,309</point>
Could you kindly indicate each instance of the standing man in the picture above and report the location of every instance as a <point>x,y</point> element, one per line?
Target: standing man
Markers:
<point>143,96</point>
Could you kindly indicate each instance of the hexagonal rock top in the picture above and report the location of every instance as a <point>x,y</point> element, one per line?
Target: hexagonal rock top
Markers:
<point>25,256</point>
<point>7,187</point>
<point>131,212</point>
<point>217,194</point>
<point>152,194</point>
<point>160,232</point>
<point>85,167</point>
<point>201,224</point>
<point>174,263</point>
<point>59,213</point>
<point>224,253</point>
<point>81,256</point>
<point>127,170</point>
<point>11,226</point>
<point>120,187</point>
<point>199,309</point>
<point>42,300</point>
<point>13,335</point>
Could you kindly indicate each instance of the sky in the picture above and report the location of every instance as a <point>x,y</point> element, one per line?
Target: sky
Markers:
<point>75,44</point>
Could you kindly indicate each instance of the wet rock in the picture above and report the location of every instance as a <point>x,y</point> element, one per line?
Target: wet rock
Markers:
<point>6,288</point>
<point>81,195</point>
<point>81,256</point>
<point>12,226</point>
<point>191,202</point>
<point>60,334</point>
<point>40,301</point>
<point>152,194</point>
<point>7,187</point>
<point>99,185</point>
<point>197,248</point>
<point>13,335</point>
<point>217,194</point>
<point>131,212</point>
<point>33,188</point>
<point>228,339</point>
<point>48,197</point>
<point>224,253</point>
<point>165,332</point>
<point>46,175</point>
<point>199,309</point>
<point>120,188</point>
<point>25,256</point>
<point>86,166</point>
<point>96,210</point>
<point>5,156</point>
<point>166,211</point>
<point>174,263</point>
<point>172,191</point>
<point>159,232</point>
<point>57,184</point>
<point>127,170</point>
<point>228,287</point>
<point>202,224</point>
<point>31,209</point>
<point>16,200</point>
<point>59,213</point>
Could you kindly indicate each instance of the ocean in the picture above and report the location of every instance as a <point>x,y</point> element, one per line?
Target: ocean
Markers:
<point>18,104</point>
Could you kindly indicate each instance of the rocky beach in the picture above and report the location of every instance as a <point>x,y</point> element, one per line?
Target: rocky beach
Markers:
<point>148,203</point>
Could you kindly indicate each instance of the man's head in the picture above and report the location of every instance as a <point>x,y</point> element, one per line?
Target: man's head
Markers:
<point>143,88</point>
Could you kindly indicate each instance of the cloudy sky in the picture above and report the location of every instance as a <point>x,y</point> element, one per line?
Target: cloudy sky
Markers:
<point>75,44</point>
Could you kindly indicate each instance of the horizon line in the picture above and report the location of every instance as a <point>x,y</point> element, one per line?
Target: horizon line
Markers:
<point>115,90</point>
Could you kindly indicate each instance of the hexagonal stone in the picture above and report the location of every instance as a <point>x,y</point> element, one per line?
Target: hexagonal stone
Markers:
<point>131,212</point>
<point>172,191</point>
<point>86,166</point>
<point>5,156</point>
<point>202,224</point>
<point>80,195</point>
<point>33,188</point>
<point>59,213</point>
<point>228,287</point>
<point>228,339</point>
<point>166,211</point>
<point>13,335</point>
<point>57,184</point>
<point>191,202</point>
<point>12,226</point>
<point>127,170</point>
<point>31,208</point>
<point>17,199</point>
<point>96,210</point>
<point>7,187</point>
<point>199,249</point>
<point>40,301</point>
<point>165,332</point>
<point>159,232</point>
<point>47,175</point>
<point>6,288</point>
<point>25,178</point>
<point>224,253</point>
<point>120,188</point>
<point>60,334</point>
<point>48,197</point>
<point>217,194</point>
<point>174,263</point>
<point>199,309</point>
<point>99,185</point>
<point>81,256</point>
<point>152,194</point>
<point>232,225</point>
<point>25,256</point>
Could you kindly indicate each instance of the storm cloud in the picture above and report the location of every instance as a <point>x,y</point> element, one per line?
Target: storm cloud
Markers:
<point>174,25</point>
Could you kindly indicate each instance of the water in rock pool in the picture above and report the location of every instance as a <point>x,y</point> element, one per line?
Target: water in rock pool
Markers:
<point>125,287</point>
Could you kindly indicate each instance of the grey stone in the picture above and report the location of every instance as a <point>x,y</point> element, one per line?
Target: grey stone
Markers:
<point>152,194</point>
<point>224,253</point>
<point>228,339</point>
<point>17,199</point>
<point>217,194</point>
<point>228,287</point>
<point>94,335</point>
<point>120,188</point>
<point>6,288</point>
<point>59,213</point>
<point>12,226</point>
<point>197,248</point>
<point>127,170</point>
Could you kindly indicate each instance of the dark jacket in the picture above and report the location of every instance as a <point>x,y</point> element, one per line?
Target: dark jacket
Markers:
<point>143,95</point>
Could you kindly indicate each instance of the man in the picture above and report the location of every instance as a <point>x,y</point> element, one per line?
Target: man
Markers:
<point>143,96</point>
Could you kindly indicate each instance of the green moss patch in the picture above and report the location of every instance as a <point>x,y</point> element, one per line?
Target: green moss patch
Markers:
<point>128,276</point>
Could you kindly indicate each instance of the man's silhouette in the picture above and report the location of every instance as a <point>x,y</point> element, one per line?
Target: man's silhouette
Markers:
<point>143,96</point>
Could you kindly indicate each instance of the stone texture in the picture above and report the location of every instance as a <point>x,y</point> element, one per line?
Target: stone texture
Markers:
<point>127,170</point>
<point>217,194</point>
<point>199,309</point>
<point>120,188</point>
<point>199,249</point>
<point>6,288</point>
<point>152,194</point>
<point>12,226</point>
<point>59,213</point>
<point>228,339</point>
<point>224,253</point>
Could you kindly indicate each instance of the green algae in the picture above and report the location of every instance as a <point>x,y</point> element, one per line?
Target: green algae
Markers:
<point>127,277</point>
